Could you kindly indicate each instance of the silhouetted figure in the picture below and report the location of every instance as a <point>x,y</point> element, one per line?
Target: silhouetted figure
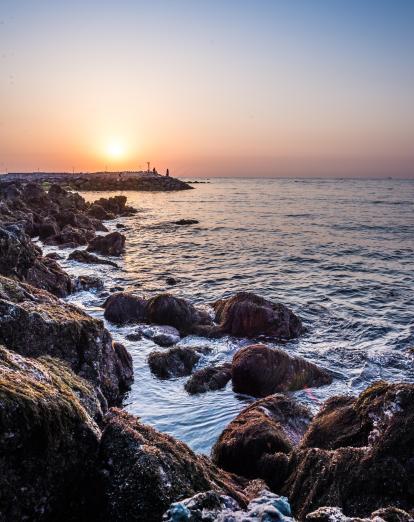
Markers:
<point>168,173</point>
<point>154,171</point>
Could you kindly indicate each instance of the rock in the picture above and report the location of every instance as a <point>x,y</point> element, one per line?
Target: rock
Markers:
<point>334,514</point>
<point>145,471</point>
<point>21,259</point>
<point>35,323</point>
<point>115,205</point>
<point>260,371</point>
<point>47,228</point>
<point>175,362</point>
<point>86,282</point>
<point>171,281</point>
<point>54,255</point>
<point>120,226</point>
<point>71,236</point>
<point>112,244</point>
<point>186,222</point>
<point>253,444</point>
<point>98,212</point>
<point>212,507</point>
<point>209,379</point>
<point>48,441</point>
<point>248,315</point>
<point>82,256</point>
<point>166,309</point>
<point>162,335</point>
<point>123,308</point>
<point>134,336</point>
<point>369,468</point>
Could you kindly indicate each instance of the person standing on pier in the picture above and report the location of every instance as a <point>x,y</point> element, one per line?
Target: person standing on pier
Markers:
<point>168,173</point>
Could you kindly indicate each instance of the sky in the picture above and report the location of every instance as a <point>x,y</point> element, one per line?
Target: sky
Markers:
<point>208,87</point>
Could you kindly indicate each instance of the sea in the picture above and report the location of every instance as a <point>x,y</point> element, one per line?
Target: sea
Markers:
<point>338,252</point>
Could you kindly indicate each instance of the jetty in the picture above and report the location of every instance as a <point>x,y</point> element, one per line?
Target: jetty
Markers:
<point>100,181</point>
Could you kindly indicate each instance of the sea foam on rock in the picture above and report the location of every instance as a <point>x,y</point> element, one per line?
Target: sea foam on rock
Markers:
<point>33,323</point>
<point>259,371</point>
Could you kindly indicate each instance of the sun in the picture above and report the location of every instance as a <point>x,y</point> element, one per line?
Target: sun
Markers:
<point>115,150</point>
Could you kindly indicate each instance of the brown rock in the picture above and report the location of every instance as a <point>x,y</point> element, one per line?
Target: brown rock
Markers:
<point>209,379</point>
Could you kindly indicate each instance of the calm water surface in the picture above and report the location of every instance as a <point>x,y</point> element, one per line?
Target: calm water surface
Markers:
<point>339,253</point>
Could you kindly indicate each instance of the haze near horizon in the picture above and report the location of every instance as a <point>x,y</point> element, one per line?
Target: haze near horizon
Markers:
<point>208,88</point>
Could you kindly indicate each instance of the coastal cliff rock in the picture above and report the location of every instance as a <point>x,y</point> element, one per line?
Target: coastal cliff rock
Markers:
<point>260,371</point>
<point>256,442</point>
<point>48,439</point>
<point>35,323</point>
<point>371,465</point>
<point>248,315</point>
<point>112,244</point>
<point>145,471</point>
<point>209,378</point>
<point>22,260</point>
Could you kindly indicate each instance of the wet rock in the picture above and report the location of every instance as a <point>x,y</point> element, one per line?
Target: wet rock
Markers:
<point>115,205</point>
<point>123,308</point>
<point>120,226</point>
<point>145,471</point>
<point>21,259</point>
<point>260,371</point>
<point>369,468</point>
<point>123,365</point>
<point>35,323</point>
<point>253,444</point>
<point>112,244</point>
<point>97,211</point>
<point>47,228</point>
<point>82,256</point>
<point>86,282</point>
<point>162,335</point>
<point>209,379</point>
<point>54,255</point>
<point>213,507</point>
<point>248,315</point>
<point>71,236</point>
<point>48,440</point>
<point>166,309</point>
<point>134,336</point>
<point>186,222</point>
<point>171,281</point>
<point>334,514</point>
<point>175,362</point>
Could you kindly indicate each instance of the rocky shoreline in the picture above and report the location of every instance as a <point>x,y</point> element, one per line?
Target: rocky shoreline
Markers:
<point>69,452</point>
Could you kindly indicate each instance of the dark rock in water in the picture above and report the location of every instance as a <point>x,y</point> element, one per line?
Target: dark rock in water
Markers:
<point>86,282</point>
<point>48,440</point>
<point>175,362</point>
<point>47,228</point>
<point>97,211</point>
<point>371,466</point>
<point>82,256</point>
<point>253,444</point>
<point>116,289</point>
<point>115,205</point>
<point>35,323</point>
<point>123,308</point>
<point>248,315</point>
<point>162,335</point>
<point>70,235</point>
<point>212,507</point>
<point>145,471</point>
<point>167,309</point>
<point>260,371</point>
<point>334,514</point>
<point>54,255</point>
<point>21,259</point>
<point>120,226</point>
<point>124,366</point>
<point>112,244</point>
<point>171,281</point>
<point>134,336</point>
<point>186,222</point>
<point>209,379</point>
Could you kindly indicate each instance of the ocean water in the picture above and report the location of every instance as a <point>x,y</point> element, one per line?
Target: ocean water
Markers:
<point>340,253</point>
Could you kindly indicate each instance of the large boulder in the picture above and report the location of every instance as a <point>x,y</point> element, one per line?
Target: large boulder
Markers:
<point>334,514</point>
<point>21,259</point>
<point>209,378</point>
<point>256,442</point>
<point>248,315</point>
<point>145,471</point>
<point>124,307</point>
<point>260,371</point>
<point>111,244</point>
<point>371,465</point>
<point>115,205</point>
<point>35,323</point>
<point>48,439</point>
<point>166,309</point>
<point>175,362</point>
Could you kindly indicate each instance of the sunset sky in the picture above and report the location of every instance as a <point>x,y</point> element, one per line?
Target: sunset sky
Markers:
<point>208,87</point>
